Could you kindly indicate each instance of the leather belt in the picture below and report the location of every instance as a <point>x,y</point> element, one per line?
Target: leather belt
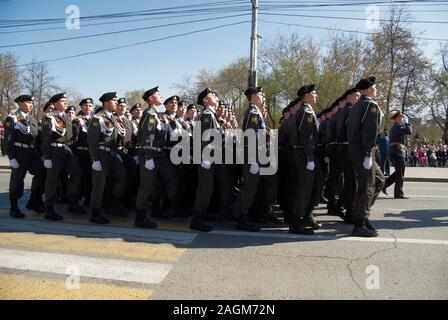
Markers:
<point>152,148</point>
<point>104,148</point>
<point>345,142</point>
<point>59,145</point>
<point>83,148</point>
<point>331,143</point>
<point>297,147</point>
<point>23,145</point>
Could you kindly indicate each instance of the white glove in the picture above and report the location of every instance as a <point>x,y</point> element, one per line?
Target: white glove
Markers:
<point>13,163</point>
<point>96,165</point>
<point>206,164</point>
<point>367,164</point>
<point>310,165</point>
<point>136,159</point>
<point>48,164</point>
<point>405,120</point>
<point>327,160</point>
<point>254,168</point>
<point>149,164</point>
<point>119,158</point>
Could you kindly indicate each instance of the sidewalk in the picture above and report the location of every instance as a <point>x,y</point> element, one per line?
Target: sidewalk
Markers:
<point>417,174</point>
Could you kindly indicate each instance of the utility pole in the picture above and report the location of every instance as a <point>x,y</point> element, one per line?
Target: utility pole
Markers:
<point>253,46</point>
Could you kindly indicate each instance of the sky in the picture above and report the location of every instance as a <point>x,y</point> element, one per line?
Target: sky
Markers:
<point>167,62</point>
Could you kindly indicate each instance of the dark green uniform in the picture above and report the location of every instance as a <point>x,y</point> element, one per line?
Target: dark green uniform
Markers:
<point>21,132</point>
<point>103,137</point>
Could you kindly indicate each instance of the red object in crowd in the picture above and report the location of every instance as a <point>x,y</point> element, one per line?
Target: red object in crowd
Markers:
<point>2,130</point>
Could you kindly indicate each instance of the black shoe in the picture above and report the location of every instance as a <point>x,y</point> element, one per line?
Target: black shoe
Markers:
<point>99,219</point>
<point>52,215</point>
<point>145,223</point>
<point>246,226</point>
<point>300,228</point>
<point>401,197</point>
<point>384,190</point>
<point>16,213</point>
<point>370,227</point>
<point>310,222</point>
<point>364,232</point>
<point>37,207</point>
<point>198,224</point>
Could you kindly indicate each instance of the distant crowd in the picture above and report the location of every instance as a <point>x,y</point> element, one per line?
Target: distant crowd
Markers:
<point>427,155</point>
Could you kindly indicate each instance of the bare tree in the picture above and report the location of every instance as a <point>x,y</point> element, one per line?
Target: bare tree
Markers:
<point>10,85</point>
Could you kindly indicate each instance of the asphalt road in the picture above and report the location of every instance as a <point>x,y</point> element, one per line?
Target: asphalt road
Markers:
<point>45,260</point>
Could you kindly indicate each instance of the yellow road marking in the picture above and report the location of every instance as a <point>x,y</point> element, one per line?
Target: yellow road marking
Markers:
<point>108,247</point>
<point>20,287</point>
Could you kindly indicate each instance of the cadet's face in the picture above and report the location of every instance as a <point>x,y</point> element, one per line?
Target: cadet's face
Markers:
<point>310,98</point>
<point>171,107</point>
<point>121,108</point>
<point>192,113</point>
<point>137,113</point>
<point>87,108</point>
<point>111,105</point>
<point>61,105</point>
<point>49,109</point>
<point>181,111</point>
<point>373,91</point>
<point>258,99</point>
<point>353,98</point>
<point>71,114</point>
<point>220,110</point>
<point>156,99</point>
<point>26,106</point>
<point>211,100</point>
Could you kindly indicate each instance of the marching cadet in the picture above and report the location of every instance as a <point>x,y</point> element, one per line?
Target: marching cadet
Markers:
<point>191,115</point>
<point>303,139</point>
<point>363,125</point>
<point>397,153</point>
<point>155,164</point>
<point>71,112</point>
<point>208,170</point>
<point>80,146</point>
<point>283,162</point>
<point>57,135</point>
<point>319,150</point>
<point>190,170</point>
<point>181,110</point>
<point>21,131</point>
<point>254,121</point>
<point>333,185</point>
<point>103,137</point>
<point>349,189</point>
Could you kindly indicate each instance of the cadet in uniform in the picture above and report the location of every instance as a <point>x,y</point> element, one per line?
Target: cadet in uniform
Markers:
<point>21,131</point>
<point>349,189</point>
<point>209,170</point>
<point>57,135</point>
<point>397,153</point>
<point>155,165</point>
<point>303,139</point>
<point>80,146</point>
<point>103,137</point>
<point>363,125</point>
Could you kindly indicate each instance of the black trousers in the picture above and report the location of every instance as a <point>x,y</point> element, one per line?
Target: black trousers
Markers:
<point>334,181</point>
<point>63,161</point>
<point>349,188</point>
<point>318,188</point>
<point>111,168</point>
<point>370,182</point>
<point>86,165</point>
<point>304,185</point>
<point>29,161</point>
<point>398,176</point>
<point>164,172</point>
<point>206,180</point>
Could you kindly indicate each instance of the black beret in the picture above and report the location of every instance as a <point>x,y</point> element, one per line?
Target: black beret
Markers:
<point>172,98</point>
<point>121,100</point>
<point>305,89</point>
<point>182,103</point>
<point>58,97</point>
<point>350,91</point>
<point>192,106</point>
<point>46,105</point>
<point>334,105</point>
<point>135,106</point>
<point>98,109</point>
<point>252,90</point>
<point>150,92</point>
<point>108,96</point>
<point>86,100</point>
<point>23,98</point>
<point>285,109</point>
<point>365,83</point>
<point>71,108</point>
<point>328,110</point>
<point>203,94</point>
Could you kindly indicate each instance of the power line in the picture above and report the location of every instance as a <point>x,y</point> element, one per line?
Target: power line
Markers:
<point>344,18</point>
<point>337,29</point>
<point>130,45</point>
<point>117,32</point>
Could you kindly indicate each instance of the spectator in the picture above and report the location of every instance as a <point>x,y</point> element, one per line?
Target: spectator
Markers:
<point>383,145</point>
<point>2,136</point>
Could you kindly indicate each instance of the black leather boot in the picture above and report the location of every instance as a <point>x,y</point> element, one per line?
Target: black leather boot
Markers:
<point>98,218</point>
<point>300,227</point>
<point>51,214</point>
<point>74,207</point>
<point>15,211</point>
<point>141,221</point>
<point>361,230</point>
<point>198,224</point>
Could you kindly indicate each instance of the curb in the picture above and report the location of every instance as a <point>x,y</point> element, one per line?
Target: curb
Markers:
<point>406,179</point>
